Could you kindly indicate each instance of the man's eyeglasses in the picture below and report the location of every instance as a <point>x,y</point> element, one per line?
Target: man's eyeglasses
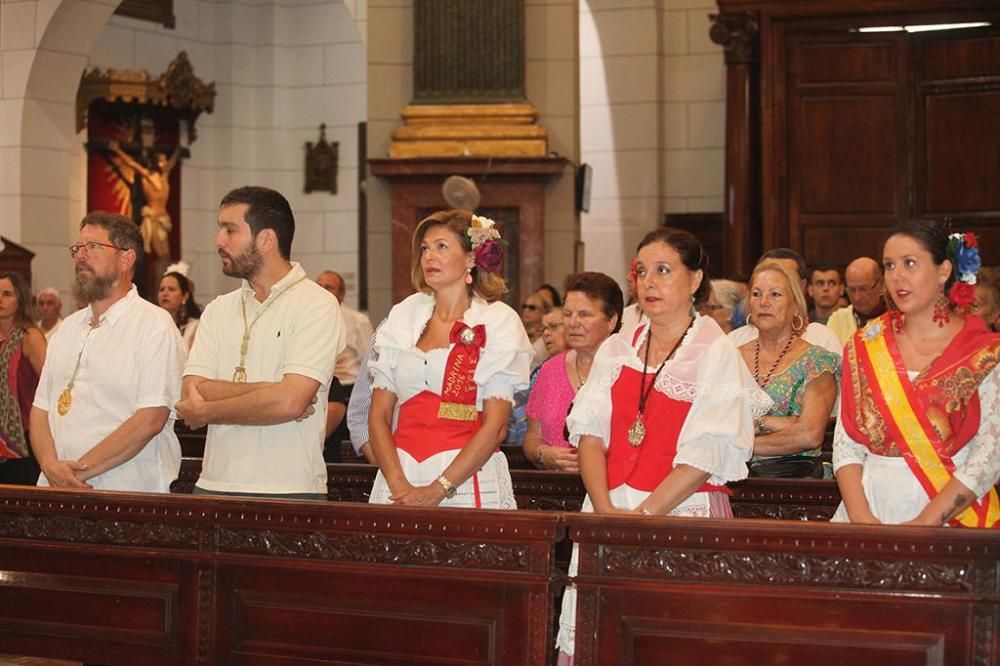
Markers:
<point>863,289</point>
<point>529,306</point>
<point>552,328</point>
<point>92,246</point>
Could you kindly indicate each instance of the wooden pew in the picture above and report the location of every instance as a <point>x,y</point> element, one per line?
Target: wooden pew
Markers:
<point>786,499</point>
<point>118,578</point>
<point>687,591</point>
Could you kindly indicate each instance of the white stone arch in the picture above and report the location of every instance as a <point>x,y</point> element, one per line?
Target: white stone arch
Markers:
<point>42,118</point>
<point>42,189</point>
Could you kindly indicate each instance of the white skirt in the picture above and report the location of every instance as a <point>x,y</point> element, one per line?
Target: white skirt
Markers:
<point>492,481</point>
<point>698,505</point>
<point>893,492</point>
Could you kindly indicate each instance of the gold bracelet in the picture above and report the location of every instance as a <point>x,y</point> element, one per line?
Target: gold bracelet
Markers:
<point>449,487</point>
<point>539,460</point>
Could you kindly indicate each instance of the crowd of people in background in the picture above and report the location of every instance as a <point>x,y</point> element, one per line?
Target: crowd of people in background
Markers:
<point>657,394</point>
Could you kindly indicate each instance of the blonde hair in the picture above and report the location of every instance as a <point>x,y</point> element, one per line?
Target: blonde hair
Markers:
<point>794,285</point>
<point>488,286</point>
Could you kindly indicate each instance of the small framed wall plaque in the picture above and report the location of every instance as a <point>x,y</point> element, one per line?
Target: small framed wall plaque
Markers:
<point>321,164</point>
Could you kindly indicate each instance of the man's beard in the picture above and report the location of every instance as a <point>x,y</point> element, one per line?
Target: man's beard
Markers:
<point>245,265</point>
<point>90,288</point>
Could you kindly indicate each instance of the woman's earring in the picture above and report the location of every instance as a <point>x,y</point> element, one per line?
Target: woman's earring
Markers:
<point>802,323</point>
<point>468,275</point>
<point>941,314</point>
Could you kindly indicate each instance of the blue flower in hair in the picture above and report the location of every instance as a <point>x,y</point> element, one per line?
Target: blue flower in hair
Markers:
<point>965,256</point>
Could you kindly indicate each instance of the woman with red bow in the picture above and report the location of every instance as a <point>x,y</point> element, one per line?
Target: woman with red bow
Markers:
<point>449,359</point>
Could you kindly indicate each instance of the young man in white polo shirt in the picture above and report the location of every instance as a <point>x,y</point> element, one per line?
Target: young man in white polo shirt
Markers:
<point>259,372</point>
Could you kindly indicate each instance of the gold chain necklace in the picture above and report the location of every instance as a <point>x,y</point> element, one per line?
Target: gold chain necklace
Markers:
<point>240,372</point>
<point>637,431</point>
<point>65,400</point>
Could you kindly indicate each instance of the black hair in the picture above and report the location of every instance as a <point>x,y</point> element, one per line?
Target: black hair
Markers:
<point>266,209</point>
<point>933,237</point>
<point>692,254</point>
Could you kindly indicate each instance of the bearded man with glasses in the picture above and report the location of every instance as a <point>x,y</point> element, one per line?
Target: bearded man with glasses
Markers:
<point>102,414</point>
<point>864,289</point>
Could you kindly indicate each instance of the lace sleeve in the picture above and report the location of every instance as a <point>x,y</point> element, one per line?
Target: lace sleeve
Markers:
<point>980,470</point>
<point>845,450</point>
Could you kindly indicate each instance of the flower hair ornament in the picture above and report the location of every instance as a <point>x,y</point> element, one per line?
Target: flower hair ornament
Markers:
<point>487,246</point>
<point>181,267</point>
<point>963,251</point>
<point>633,274</point>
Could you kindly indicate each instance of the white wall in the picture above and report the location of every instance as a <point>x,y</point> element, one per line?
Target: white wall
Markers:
<point>280,67</point>
<point>652,120</point>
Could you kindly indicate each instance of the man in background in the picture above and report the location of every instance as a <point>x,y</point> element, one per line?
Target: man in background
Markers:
<point>357,335</point>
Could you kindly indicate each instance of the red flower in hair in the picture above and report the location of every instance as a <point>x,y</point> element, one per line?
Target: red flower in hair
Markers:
<point>962,295</point>
<point>633,275</point>
<point>970,239</point>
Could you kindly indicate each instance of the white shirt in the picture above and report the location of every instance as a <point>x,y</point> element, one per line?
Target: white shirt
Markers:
<point>300,332</point>
<point>49,333</point>
<point>357,336</point>
<point>132,360</point>
<point>815,334</point>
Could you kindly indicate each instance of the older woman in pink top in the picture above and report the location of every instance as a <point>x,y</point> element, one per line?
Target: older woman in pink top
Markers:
<point>592,311</point>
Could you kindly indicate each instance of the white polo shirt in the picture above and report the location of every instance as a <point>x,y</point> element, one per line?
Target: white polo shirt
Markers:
<point>358,332</point>
<point>133,359</point>
<point>301,332</point>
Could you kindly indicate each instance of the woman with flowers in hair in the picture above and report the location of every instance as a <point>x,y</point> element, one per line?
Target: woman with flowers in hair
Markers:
<point>918,438</point>
<point>449,359</point>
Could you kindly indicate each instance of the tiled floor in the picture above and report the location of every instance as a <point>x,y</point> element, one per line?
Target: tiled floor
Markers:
<point>10,660</point>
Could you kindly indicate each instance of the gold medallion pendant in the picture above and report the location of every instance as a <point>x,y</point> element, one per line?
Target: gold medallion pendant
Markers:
<point>240,375</point>
<point>637,431</point>
<point>65,401</point>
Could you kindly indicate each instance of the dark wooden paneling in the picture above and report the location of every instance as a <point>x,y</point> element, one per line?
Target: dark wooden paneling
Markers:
<point>960,58</point>
<point>749,592</point>
<point>845,157</point>
<point>831,158</point>
<point>125,579</point>
<point>849,62</point>
<point>962,148</point>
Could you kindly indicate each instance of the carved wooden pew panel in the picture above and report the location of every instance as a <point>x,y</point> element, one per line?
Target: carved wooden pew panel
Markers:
<point>686,591</point>
<point>118,578</point>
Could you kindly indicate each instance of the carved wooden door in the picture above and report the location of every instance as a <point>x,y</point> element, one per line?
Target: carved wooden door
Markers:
<point>881,127</point>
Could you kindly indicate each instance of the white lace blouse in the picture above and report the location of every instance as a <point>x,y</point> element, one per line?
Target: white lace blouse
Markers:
<point>707,371</point>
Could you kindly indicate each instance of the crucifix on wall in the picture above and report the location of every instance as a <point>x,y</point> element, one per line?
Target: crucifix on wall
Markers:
<point>138,130</point>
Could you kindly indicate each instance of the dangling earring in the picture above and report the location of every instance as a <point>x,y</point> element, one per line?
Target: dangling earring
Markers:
<point>941,314</point>
<point>468,275</point>
<point>802,322</point>
<point>897,319</point>
<point>693,312</point>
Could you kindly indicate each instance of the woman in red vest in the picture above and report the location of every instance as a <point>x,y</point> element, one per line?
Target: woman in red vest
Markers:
<point>449,359</point>
<point>918,439</point>
<point>665,418</point>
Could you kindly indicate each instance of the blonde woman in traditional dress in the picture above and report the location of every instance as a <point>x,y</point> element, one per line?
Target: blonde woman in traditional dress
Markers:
<point>449,359</point>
